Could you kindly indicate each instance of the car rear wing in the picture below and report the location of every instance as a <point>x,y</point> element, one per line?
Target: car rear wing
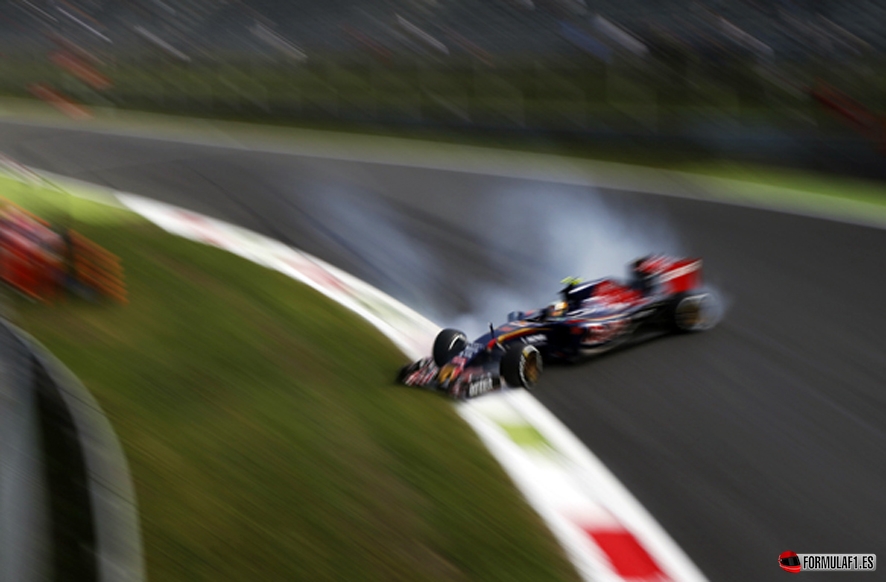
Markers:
<point>681,276</point>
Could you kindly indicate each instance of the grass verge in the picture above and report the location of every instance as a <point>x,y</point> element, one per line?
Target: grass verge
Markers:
<point>859,190</point>
<point>265,436</point>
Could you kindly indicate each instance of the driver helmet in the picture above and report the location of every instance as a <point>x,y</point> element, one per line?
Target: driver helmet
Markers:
<point>556,309</point>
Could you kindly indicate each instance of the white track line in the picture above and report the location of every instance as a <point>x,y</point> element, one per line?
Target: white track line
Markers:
<point>409,153</point>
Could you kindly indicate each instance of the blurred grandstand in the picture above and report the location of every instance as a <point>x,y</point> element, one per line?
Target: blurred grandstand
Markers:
<point>211,29</point>
<point>721,71</point>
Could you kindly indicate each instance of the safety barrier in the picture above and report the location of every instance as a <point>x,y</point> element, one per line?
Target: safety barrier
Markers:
<point>67,505</point>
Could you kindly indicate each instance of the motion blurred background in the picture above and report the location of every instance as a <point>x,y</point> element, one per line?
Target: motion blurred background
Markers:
<point>798,82</point>
<point>282,432</point>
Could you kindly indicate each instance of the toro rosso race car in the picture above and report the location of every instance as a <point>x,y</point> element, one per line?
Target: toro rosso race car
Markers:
<point>663,294</point>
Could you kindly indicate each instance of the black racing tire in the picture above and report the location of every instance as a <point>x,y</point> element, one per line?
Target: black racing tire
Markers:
<point>521,366</point>
<point>692,312</point>
<point>449,343</point>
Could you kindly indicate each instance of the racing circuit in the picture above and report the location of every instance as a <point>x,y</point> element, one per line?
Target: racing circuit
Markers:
<point>760,436</point>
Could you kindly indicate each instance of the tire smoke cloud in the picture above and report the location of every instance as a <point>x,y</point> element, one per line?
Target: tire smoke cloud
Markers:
<point>478,256</point>
<point>557,232</point>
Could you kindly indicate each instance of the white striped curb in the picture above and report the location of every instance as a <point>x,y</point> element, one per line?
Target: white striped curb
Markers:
<point>605,532</point>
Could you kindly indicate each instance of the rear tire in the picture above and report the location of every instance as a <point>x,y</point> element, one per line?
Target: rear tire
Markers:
<point>449,343</point>
<point>521,366</point>
<point>693,312</point>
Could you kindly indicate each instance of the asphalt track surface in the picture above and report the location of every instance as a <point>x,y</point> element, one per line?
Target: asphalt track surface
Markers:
<point>763,435</point>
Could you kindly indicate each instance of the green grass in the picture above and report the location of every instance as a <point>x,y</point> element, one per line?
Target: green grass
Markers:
<point>265,436</point>
<point>803,181</point>
<point>837,197</point>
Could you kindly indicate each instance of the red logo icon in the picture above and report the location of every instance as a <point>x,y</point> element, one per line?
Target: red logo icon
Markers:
<point>789,562</point>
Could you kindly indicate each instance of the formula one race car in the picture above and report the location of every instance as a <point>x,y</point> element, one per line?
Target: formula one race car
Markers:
<point>663,294</point>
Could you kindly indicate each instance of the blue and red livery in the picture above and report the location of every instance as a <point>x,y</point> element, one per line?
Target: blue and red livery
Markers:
<point>662,294</point>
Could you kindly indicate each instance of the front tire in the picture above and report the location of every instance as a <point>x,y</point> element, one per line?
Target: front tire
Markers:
<point>449,343</point>
<point>521,366</point>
